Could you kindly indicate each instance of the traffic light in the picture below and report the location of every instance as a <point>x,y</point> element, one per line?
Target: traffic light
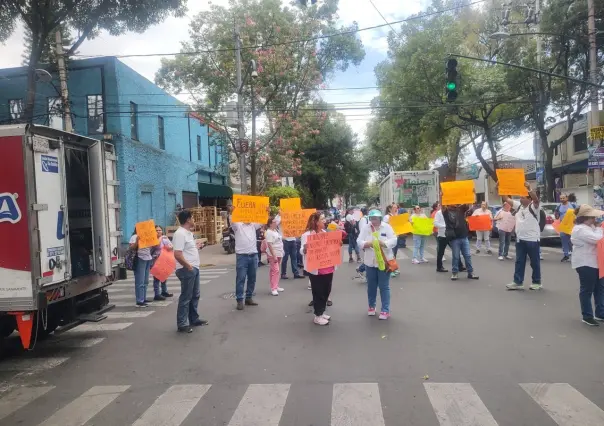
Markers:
<point>452,81</point>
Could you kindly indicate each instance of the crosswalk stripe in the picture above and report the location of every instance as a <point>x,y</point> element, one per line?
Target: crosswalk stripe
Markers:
<point>132,314</point>
<point>151,305</point>
<point>458,404</point>
<point>171,285</point>
<point>85,407</point>
<point>31,365</point>
<point>564,404</point>
<point>83,328</point>
<point>356,404</point>
<point>130,296</point>
<point>262,405</point>
<point>173,406</point>
<point>19,398</point>
<point>75,343</point>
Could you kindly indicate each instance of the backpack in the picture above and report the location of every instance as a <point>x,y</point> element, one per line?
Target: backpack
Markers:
<point>542,217</point>
<point>130,259</point>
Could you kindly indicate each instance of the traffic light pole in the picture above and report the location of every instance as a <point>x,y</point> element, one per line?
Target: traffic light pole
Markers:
<point>240,127</point>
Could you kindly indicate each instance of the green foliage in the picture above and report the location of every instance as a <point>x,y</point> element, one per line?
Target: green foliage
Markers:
<point>275,194</point>
<point>47,56</point>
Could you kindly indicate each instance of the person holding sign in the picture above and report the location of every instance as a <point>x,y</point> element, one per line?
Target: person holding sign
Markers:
<point>505,221</point>
<point>585,238</point>
<point>274,251</point>
<point>559,214</point>
<point>377,239</point>
<point>483,235</point>
<point>419,241</point>
<point>456,232</point>
<point>144,258</point>
<point>164,243</point>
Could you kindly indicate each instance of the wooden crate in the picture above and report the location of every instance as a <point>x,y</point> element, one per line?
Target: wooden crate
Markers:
<point>208,224</point>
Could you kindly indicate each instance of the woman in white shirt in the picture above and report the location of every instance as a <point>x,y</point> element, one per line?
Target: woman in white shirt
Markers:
<point>585,237</point>
<point>274,251</point>
<point>164,242</point>
<point>419,241</point>
<point>141,271</point>
<point>483,235</point>
<point>505,221</point>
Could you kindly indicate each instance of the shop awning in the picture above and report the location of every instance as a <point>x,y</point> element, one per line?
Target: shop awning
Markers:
<point>210,190</point>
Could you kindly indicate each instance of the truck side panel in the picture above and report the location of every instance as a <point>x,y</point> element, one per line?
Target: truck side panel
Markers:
<point>15,260</point>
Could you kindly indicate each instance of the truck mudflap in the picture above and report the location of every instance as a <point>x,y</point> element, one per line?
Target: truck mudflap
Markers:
<point>25,322</point>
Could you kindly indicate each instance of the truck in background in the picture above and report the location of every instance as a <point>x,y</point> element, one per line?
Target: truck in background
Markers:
<point>410,188</point>
<point>59,229</point>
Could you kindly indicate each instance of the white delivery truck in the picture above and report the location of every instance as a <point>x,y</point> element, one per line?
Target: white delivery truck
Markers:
<point>59,230</point>
<point>408,189</point>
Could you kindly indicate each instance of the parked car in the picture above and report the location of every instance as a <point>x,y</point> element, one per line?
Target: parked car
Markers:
<point>548,233</point>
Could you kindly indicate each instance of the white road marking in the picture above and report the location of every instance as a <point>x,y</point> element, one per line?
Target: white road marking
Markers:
<point>262,405</point>
<point>458,404</point>
<point>129,297</point>
<point>564,404</point>
<point>19,398</point>
<point>356,404</point>
<point>133,305</point>
<point>85,407</point>
<point>173,406</point>
<point>131,314</point>
<point>171,285</point>
<point>31,365</point>
<point>89,327</point>
<point>73,342</point>
<point>130,290</point>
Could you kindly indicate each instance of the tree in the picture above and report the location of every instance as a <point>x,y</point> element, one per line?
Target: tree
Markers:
<point>42,18</point>
<point>289,73</point>
<point>48,56</point>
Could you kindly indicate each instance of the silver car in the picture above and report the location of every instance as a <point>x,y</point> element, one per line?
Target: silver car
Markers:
<point>549,233</point>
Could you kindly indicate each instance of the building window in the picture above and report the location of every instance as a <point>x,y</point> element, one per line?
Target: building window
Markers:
<point>15,108</point>
<point>133,121</point>
<point>95,115</point>
<point>580,142</point>
<point>160,129</point>
<point>55,113</point>
<point>198,148</point>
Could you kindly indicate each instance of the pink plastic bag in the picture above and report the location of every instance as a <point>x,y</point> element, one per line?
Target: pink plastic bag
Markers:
<point>165,265</point>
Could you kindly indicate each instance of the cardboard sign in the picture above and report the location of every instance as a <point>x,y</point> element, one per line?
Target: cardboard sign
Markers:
<point>293,223</point>
<point>507,223</point>
<point>323,250</point>
<point>288,204</point>
<point>556,225</point>
<point>400,224</point>
<point>511,182</point>
<point>458,192</point>
<point>480,223</point>
<point>567,224</point>
<point>164,266</point>
<point>423,225</point>
<point>147,235</point>
<point>250,209</point>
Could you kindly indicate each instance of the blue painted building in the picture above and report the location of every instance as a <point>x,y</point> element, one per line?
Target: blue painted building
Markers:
<point>167,156</point>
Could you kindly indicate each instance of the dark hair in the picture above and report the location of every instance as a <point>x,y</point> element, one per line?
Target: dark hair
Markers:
<point>160,227</point>
<point>270,220</point>
<point>313,220</point>
<point>581,219</point>
<point>183,216</point>
<point>434,206</point>
<point>388,209</point>
<point>572,197</point>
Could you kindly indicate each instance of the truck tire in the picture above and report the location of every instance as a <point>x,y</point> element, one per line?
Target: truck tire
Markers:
<point>7,325</point>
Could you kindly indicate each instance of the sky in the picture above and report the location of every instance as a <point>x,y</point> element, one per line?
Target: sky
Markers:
<point>166,37</point>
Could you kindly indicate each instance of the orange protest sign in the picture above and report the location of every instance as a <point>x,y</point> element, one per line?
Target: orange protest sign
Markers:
<point>556,225</point>
<point>288,204</point>
<point>164,266</point>
<point>293,223</point>
<point>480,223</point>
<point>567,224</point>
<point>400,224</point>
<point>458,192</point>
<point>511,182</point>
<point>250,209</point>
<point>601,257</point>
<point>147,235</point>
<point>324,250</point>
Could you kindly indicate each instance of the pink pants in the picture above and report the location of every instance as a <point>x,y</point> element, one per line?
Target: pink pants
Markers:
<point>273,273</point>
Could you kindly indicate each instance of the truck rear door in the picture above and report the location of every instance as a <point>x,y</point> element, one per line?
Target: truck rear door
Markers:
<point>105,209</point>
<point>51,208</point>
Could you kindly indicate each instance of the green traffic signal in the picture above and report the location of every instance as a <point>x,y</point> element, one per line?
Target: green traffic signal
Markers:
<point>451,85</point>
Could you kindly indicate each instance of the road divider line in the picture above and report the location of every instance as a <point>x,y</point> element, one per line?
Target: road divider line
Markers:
<point>458,404</point>
<point>262,405</point>
<point>19,398</point>
<point>564,404</point>
<point>173,406</point>
<point>85,407</point>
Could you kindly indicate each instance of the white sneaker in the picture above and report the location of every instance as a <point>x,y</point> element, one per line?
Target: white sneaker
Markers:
<point>327,317</point>
<point>424,260</point>
<point>415,262</point>
<point>320,321</point>
<point>444,258</point>
<point>500,258</point>
<point>514,286</point>
<point>280,289</point>
<point>275,293</point>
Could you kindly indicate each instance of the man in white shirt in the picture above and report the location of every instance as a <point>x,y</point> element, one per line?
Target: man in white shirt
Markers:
<point>186,253</point>
<point>246,262</point>
<point>528,233</point>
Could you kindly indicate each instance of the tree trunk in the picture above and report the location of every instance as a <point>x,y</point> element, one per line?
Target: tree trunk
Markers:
<point>34,58</point>
<point>550,179</point>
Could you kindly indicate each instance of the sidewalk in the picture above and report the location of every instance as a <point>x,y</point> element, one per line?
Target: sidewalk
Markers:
<point>215,255</point>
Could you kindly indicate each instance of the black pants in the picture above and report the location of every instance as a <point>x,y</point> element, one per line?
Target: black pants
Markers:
<point>321,288</point>
<point>440,252</point>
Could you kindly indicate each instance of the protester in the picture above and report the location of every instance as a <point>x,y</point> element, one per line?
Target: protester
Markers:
<point>364,221</point>
<point>442,242</point>
<point>392,210</point>
<point>274,251</point>
<point>141,271</point>
<point>164,242</point>
<point>352,229</point>
<point>378,240</point>
<point>559,213</point>
<point>290,251</point>
<point>321,279</point>
<point>246,262</point>
<point>457,233</point>
<point>419,241</point>
<point>528,233</point>
<point>259,238</point>
<point>505,226</point>
<point>186,253</point>
<point>585,237</point>
<point>483,235</point>
<point>401,239</point>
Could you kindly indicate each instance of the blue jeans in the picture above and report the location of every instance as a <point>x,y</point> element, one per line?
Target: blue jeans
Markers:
<point>419,242</point>
<point>401,241</point>
<point>246,265</point>
<point>189,297</point>
<point>156,287</point>
<point>141,279</point>
<point>504,242</point>
<point>378,279</point>
<point>591,285</point>
<point>530,249</point>
<point>565,239</point>
<point>290,249</point>
<point>461,247</point>
<point>353,246</point>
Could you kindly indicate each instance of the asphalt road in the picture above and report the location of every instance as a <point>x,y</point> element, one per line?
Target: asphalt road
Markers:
<point>452,354</point>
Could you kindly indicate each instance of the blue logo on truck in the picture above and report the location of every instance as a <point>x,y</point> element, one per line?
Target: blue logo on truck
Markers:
<point>9,209</point>
<point>50,164</point>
